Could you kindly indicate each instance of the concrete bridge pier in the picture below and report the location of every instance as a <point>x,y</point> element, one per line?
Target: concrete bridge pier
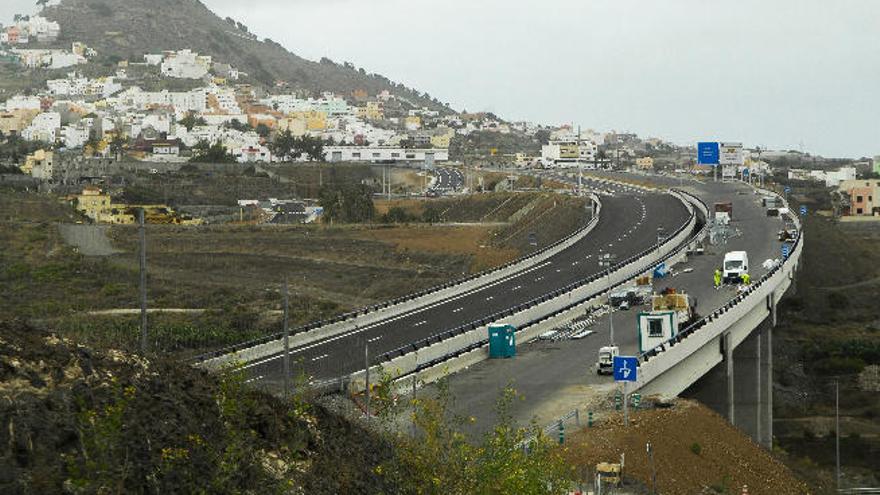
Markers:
<point>740,387</point>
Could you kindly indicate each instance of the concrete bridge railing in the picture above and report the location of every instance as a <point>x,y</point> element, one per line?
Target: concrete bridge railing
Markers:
<point>315,331</point>
<point>459,348</point>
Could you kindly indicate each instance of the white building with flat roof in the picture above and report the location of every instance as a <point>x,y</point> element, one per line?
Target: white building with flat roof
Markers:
<point>185,64</point>
<point>384,154</point>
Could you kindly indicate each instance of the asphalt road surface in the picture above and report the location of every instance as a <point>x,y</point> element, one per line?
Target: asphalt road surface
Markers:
<point>627,225</point>
<point>448,179</point>
<point>556,377</point>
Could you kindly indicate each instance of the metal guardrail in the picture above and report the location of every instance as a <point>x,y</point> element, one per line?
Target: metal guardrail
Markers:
<point>446,334</point>
<point>696,326</point>
<point>392,302</point>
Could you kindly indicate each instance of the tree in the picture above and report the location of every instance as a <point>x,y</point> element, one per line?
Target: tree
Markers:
<point>263,130</point>
<point>347,204</point>
<point>312,147</point>
<point>120,140</point>
<point>235,124</point>
<point>190,121</point>
<point>285,146</point>
<point>42,3</point>
<point>203,152</point>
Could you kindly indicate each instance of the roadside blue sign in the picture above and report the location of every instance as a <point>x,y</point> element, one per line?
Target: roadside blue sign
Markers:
<point>708,153</point>
<point>787,190</point>
<point>803,211</point>
<point>786,250</point>
<point>745,172</point>
<point>626,368</point>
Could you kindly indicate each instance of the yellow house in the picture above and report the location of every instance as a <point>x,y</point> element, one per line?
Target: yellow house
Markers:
<point>646,163</point>
<point>39,158</point>
<point>413,122</point>
<point>374,111</point>
<point>16,121</point>
<point>440,141</point>
<point>93,203</point>
<point>315,120</point>
<point>298,127</point>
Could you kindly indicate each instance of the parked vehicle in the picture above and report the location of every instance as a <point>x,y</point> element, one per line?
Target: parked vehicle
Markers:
<point>606,360</point>
<point>736,264</point>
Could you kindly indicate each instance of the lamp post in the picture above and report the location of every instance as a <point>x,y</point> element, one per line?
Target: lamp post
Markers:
<point>607,260</point>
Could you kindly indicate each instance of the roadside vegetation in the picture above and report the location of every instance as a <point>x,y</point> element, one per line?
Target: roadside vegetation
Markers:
<point>829,333</point>
<point>85,420</point>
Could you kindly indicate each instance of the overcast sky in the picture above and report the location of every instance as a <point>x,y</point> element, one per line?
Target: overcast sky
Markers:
<point>774,73</point>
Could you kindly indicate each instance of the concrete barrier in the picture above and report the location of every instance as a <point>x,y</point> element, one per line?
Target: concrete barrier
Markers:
<point>274,345</point>
<point>670,368</point>
<point>467,348</point>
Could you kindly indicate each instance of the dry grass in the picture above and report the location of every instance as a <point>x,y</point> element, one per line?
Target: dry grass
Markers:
<point>471,241</point>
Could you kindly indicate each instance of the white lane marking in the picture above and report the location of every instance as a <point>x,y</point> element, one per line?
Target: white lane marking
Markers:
<point>420,323</point>
<point>518,287</point>
<point>255,379</point>
<point>357,330</point>
<point>457,310</point>
<point>375,338</point>
<point>490,298</point>
<point>323,356</point>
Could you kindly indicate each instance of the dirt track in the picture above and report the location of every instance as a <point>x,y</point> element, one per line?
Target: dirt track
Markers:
<point>90,240</point>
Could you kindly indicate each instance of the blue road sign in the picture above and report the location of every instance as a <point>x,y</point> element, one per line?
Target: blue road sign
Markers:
<point>787,190</point>
<point>786,250</point>
<point>626,368</point>
<point>708,153</point>
<point>803,211</point>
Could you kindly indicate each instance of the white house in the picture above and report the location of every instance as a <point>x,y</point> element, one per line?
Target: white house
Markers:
<point>45,127</point>
<point>251,154</point>
<point>21,102</point>
<point>185,64</point>
<point>75,136</point>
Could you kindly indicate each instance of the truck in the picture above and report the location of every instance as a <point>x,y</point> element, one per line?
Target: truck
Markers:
<point>736,264</point>
<point>606,359</point>
<point>723,212</point>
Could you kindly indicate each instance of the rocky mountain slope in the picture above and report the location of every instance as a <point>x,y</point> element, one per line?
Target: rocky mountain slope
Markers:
<point>128,29</point>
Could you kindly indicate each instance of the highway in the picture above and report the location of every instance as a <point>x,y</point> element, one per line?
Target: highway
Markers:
<point>628,225</point>
<point>448,180</point>
<point>556,377</point>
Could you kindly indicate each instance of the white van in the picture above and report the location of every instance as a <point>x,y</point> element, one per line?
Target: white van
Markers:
<point>736,264</point>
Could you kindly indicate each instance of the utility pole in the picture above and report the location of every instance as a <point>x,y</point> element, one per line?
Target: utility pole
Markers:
<point>142,235</point>
<point>837,427</point>
<point>286,340</point>
<point>367,378</point>
<point>580,165</point>
<point>650,450</point>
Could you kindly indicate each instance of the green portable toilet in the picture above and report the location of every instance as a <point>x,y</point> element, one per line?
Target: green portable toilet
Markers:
<point>502,340</point>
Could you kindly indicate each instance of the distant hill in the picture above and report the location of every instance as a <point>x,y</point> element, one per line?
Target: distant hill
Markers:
<point>128,29</point>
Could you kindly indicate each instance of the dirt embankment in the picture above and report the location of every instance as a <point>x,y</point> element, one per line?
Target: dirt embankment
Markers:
<point>76,420</point>
<point>695,451</point>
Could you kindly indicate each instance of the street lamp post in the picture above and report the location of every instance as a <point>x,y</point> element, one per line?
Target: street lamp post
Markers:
<point>607,260</point>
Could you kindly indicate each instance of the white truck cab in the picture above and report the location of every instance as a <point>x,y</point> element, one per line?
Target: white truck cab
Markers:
<point>736,264</point>
<point>606,359</point>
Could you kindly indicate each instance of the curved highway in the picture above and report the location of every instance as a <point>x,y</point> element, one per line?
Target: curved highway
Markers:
<point>448,179</point>
<point>628,225</point>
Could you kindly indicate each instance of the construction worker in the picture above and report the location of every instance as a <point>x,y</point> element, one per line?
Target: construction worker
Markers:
<point>717,278</point>
<point>746,278</point>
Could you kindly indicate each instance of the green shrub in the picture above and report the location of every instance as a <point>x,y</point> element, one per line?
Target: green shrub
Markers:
<point>696,448</point>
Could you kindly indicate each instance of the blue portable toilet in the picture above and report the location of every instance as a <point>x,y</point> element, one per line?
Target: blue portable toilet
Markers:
<point>502,340</point>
